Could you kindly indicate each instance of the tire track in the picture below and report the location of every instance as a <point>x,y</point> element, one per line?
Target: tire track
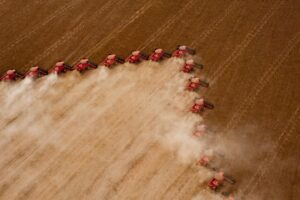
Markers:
<point>212,27</point>
<point>119,29</point>
<point>281,140</point>
<point>176,181</point>
<point>180,184</point>
<point>262,82</point>
<point>241,47</point>
<point>166,175</point>
<point>168,24</point>
<point>136,171</point>
<point>26,8</point>
<point>39,26</point>
<point>71,34</point>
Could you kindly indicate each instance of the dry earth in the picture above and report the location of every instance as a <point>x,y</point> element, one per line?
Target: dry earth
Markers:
<point>61,139</point>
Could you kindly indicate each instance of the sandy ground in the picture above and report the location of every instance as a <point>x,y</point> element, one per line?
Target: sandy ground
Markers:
<point>65,148</point>
<point>103,135</point>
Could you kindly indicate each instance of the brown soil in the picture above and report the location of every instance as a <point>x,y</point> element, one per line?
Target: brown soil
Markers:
<point>250,51</point>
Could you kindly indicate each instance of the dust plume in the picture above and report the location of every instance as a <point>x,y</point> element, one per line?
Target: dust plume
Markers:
<point>115,117</point>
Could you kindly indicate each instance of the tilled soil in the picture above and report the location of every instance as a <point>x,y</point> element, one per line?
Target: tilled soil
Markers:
<point>250,51</point>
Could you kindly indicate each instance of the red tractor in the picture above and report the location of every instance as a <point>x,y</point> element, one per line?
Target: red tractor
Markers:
<point>158,55</point>
<point>136,57</point>
<point>200,104</point>
<point>204,160</point>
<point>200,131</point>
<point>36,72</point>
<point>218,180</point>
<point>84,65</point>
<point>195,83</point>
<point>11,75</point>
<point>189,66</point>
<point>182,50</point>
<point>60,67</point>
<point>214,184</point>
<point>112,60</point>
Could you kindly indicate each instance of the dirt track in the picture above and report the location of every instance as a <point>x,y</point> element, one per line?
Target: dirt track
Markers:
<point>251,57</point>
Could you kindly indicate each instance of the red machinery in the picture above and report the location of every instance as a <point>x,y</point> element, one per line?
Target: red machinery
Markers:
<point>189,66</point>
<point>36,72</point>
<point>60,67</point>
<point>200,104</point>
<point>182,50</point>
<point>136,57</point>
<point>12,75</point>
<point>84,65</point>
<point>195,83</point>
<point>112,60</point>
<point>158,55</point>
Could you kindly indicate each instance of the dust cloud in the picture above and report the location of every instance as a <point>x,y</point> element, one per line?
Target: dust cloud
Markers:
<point>115,115</point>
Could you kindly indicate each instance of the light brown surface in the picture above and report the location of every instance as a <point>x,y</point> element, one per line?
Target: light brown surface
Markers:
<point>251,55</point>
<point>100,136</point>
